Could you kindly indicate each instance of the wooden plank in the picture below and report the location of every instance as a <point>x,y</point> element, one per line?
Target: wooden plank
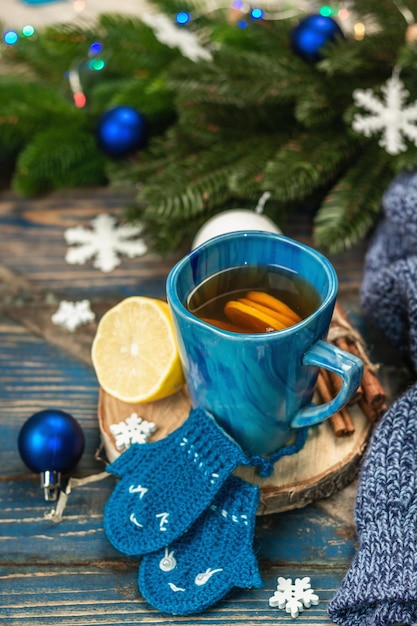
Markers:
<point>32,246</point>
<point>101,594</point>
<point>35,375</point>
<point>28,537</point>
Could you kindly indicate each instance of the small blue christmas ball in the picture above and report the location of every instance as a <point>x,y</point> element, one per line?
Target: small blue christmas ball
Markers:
<point>51,441</point>
<point>121,131</point>
<point>311,34</point>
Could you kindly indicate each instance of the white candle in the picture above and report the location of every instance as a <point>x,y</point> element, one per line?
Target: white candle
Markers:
<point>232,221</point>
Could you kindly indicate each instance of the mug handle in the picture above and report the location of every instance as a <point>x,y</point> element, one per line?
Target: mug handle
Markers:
<point>345,365</point>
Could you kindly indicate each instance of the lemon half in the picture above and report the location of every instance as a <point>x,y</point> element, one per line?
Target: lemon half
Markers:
<point>135,353</point>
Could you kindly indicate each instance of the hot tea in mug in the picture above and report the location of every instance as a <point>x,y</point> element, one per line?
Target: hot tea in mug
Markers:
<point>257,380</point>
<point>253,299</point>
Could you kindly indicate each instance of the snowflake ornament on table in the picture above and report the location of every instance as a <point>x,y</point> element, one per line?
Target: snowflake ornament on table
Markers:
<point>391,116</point>
<point>106,241</point>
<point>133,430</point>
<point>71,315</point>
<point>294,597</point>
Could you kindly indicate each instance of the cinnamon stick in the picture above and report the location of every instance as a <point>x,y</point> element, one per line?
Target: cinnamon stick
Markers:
<point>336,383</point>
<point>341,421</point>
<point>372,389</point>
<point>346,427</point>
<point>372,414</point>
<point>370,396</point>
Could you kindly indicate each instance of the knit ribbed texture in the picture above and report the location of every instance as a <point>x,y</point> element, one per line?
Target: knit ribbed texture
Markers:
<point>380,588</point>
<point>389,287</point>
<point>215,555</point>
<point>167,484</point>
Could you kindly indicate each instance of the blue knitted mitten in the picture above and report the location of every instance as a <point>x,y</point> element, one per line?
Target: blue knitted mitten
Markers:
<point>215,555</point>
<point>167,484</point>
<point>389,287</point>
<point>380,588</point>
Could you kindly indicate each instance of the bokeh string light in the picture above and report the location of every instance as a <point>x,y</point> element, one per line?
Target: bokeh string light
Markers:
<point>79,97</point>
<point>11,36</point>
<point>79,5</point>
<point>95,63</point>
<point>267,11</point>
<point>244,13</point>
<point>250,13</point>
<point>183,17</point>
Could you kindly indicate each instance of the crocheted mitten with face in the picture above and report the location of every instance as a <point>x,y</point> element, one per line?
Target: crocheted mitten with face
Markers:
<point>165,485</point>
<point>215,555</point>
<point>380,587</point>
<point>389,286</point>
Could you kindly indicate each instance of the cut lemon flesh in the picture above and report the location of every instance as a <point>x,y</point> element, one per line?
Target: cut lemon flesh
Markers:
<point>135,353</point>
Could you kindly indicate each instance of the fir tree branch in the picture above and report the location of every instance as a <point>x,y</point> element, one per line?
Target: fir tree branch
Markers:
<point>308,163</point>
<point>354,204</point>
<point>58,157</point>
<point>246,180</point>
<point>255,80</point>
<point>255,118</point>
<point>385,13</point>
<point>187,192</point>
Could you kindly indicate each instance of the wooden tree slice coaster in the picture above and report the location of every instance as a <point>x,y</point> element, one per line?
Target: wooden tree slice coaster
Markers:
<point>325,465</point>
<point>167,414</point>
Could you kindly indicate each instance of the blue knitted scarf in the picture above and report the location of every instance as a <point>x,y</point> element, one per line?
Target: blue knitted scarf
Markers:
<point>380,588</point>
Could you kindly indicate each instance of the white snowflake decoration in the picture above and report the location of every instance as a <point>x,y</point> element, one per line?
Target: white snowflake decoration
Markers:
<point>106,241</point>
<point>392,116</point>
<point>71,315</point>
<point>133,430</point>
<point>174,37</point>
<point>294,597</point>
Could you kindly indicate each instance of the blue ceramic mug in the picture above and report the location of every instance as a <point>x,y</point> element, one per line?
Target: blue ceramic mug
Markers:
<point>259,387</point>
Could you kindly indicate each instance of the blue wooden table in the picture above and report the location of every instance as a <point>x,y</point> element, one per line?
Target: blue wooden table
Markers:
<point>67,573</point>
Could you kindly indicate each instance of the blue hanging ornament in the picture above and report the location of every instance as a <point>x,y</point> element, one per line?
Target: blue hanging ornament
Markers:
<point>51,442</point>
<point>121,131</point>
<point>312,34</point>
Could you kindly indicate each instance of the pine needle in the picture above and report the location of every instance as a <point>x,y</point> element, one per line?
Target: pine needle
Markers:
<point>354,205</point>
